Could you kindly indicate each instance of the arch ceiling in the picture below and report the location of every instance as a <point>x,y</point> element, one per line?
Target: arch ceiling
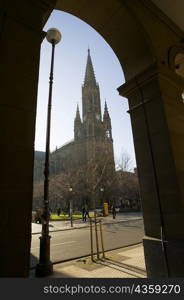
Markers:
<point>173,9</point>
<point>118,26</point>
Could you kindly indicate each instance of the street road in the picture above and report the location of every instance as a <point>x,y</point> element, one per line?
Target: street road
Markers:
<point>74,243</point>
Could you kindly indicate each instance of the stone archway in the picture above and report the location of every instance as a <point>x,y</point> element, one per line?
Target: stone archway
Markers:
<point>141,36</point>
<point>130,30</point>
<point>119,27</point>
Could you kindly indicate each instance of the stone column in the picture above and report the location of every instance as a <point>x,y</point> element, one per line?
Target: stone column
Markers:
<point>21,35</point>
<point>157,115</point>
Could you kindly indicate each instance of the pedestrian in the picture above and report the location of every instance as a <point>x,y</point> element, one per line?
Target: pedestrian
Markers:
<point>83,214</point>
<point>58,211</point>
<point>87,213</point>
<point>114,211</point>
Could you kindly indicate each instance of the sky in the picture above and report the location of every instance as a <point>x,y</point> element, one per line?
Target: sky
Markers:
<point>69,70</point>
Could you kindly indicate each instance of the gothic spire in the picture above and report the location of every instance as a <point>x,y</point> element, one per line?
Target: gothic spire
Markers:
<point>106,113</point>
<point>89,74</point>
<point>107,123</point>
<point>77,117</point>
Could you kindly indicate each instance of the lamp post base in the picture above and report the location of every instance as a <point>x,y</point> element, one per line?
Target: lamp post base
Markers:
<point>43,270</point>
<point>44,267</point>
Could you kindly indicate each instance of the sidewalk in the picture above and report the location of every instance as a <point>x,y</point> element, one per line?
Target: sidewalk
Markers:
<point>65,225</point>
<point>127,262</point>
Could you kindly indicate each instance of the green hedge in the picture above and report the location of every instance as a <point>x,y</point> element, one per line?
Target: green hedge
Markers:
<point>64,217</point>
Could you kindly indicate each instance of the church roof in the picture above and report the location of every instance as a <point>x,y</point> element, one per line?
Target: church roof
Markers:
<point>71,142</point>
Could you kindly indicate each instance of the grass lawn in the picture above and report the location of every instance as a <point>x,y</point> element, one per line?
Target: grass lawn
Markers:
<point>64,217</point>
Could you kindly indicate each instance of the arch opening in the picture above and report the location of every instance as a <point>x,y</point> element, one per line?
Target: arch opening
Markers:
<point>128,204</point>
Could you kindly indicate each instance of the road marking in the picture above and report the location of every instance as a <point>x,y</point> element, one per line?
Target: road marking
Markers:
<point>64,243</point>
<point>71,242</point>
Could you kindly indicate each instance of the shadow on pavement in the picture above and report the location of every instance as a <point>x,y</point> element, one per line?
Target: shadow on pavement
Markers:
<point>121,267</point>
<point>34,261</point>
<point>128,267</point>
<point>60,274</point>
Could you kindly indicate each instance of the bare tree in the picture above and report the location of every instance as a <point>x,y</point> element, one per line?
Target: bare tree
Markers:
<point>125,162</point>
<point>38,194</point>
<point>86,181</point>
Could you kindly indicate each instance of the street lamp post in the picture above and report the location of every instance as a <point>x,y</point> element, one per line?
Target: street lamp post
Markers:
<point>102,201</point>
<point>102,190</point>
<point>71,207</point>
<point>44,267</point>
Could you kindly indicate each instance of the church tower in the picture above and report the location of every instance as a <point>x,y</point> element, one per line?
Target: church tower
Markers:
<point>92,120</point>
<point>90,93</point>
<point>92,131</point>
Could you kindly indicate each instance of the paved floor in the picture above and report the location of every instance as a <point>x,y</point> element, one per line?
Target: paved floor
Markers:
<point>127,262</point>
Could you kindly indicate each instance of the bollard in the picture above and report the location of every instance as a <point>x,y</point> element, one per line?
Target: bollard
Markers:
<point>91,238</point>
<point>96,233</point>
<point>101,235</point>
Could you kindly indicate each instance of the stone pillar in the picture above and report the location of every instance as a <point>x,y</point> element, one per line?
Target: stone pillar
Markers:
<point>21,35</point>
<point>157,115</point>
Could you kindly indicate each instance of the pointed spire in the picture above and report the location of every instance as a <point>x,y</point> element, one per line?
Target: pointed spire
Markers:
<point>77,117</point>
<point>107,122</point>
<point>106,109</point>
<point>89,74</point>
<point>106,113</point>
